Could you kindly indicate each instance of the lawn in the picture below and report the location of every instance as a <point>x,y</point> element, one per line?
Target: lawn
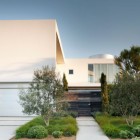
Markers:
<point>112,126</point>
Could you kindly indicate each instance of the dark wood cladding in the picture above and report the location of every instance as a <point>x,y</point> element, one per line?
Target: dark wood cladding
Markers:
<point>84,101</point>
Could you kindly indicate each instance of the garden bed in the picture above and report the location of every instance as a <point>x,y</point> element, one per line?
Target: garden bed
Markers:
<point>50,138</point>
<point>63,127</point>
<point>116,127</point>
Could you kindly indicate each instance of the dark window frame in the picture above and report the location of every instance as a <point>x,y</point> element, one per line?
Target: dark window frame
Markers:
<point>71,71</point>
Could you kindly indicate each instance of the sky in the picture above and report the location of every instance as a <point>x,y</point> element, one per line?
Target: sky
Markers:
<point>86,27</point>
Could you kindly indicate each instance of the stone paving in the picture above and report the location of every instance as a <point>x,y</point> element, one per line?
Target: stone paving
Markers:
<point>89,130</point>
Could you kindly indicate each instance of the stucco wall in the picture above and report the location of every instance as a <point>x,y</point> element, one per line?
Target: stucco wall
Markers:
<point>80,68</point>
<point>25,46</point>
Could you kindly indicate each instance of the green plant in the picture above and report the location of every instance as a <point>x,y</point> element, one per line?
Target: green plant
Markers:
<point>104,93</point>
<point>57,134</point>
<point>123,134</point>
<point>22,131</point>
<point>65,82</point>
<point>52,128</point>
<point>126,134</point>
<point>111,131</point>
<point>136,130</point>
<point>136,138</point>
<point>67,134</point>
<point>60,114</point>
<point>37,132</point>
<point>70,128</point>
<point>74,114</point>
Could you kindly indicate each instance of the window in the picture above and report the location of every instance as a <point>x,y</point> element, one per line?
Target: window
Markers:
<point>71,71</point>
<point>90,73</point>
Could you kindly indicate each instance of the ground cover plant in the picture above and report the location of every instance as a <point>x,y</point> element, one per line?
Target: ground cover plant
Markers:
<point>116,127</point>
<point>59,126</point>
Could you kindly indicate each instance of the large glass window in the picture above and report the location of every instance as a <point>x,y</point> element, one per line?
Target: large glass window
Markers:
<point>95,70</point>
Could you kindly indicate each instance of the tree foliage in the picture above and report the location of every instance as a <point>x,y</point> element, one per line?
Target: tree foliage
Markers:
<point>125,96</point>
<point>129,60</point>
<point>65,83</point>
<point>44,95</point>
<point>104,93</point>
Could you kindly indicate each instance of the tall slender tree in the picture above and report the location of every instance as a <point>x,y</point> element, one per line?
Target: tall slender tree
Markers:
<point>65,82</point>
<point>104,93</point>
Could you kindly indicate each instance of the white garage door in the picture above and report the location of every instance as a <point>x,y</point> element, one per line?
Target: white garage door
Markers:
<point>9,100</point>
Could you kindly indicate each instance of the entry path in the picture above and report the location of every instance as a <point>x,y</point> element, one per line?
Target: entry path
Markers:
<point>89,129</point>
<point>8,125</point>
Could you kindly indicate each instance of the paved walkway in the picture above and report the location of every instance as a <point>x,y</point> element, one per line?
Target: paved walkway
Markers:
<point>8,125</point>
<point>89,130</point>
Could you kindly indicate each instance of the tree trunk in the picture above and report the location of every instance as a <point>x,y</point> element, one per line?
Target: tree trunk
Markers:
<point>129,120</point>
<point>46,120</point>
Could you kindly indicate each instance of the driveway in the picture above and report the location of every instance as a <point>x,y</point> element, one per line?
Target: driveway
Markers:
<point>8,125</point>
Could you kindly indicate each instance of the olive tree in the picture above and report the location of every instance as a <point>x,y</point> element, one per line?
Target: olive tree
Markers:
<point>125,96</point>
<point>44,95</point>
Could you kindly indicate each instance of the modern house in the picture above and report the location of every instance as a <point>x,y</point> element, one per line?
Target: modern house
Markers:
<point>27,45</point>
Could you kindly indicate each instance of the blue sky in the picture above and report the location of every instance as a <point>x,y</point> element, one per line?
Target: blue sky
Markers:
<point>86,26</point>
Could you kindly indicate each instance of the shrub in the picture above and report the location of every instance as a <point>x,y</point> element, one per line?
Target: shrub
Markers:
<point>126,134</point>
<point>60,114</point>
<point>136,138</point>
<point>74,114</point>
<point>70,129</point>
<point>67,133</point>
<point>52,128</point>
<point>69,120</point>
<point>37,132</point>
<point>22,131</point>
<point>130,134</point>
<point>123,134</point>
<point>136,130</point>
<point>57,134</point>
<point>111,131</point>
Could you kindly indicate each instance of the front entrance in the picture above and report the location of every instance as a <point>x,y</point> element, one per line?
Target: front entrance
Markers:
<point>86,103</point>
<point>84,109</point>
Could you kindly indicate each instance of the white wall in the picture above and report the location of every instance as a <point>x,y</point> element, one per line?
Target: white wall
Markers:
<point>26,45</point>
<point>80,67</point>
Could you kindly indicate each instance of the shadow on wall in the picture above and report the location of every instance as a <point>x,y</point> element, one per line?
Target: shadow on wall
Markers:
<point>24,70</point>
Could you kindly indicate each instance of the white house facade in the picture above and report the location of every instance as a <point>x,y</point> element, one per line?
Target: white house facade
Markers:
<point>27,45</point>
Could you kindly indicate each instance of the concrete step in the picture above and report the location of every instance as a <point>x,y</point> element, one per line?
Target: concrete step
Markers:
<point>14,121</point>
